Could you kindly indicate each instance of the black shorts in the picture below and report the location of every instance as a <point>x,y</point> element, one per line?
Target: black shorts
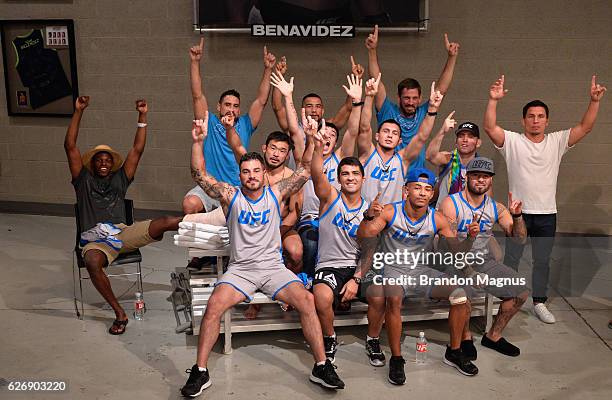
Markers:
<point>335,278</point>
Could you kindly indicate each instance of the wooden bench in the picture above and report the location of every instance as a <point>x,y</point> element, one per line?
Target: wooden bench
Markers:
<point>272,318</point>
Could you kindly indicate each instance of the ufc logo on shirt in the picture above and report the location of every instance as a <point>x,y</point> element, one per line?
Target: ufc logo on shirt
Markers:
<point>254,218</point>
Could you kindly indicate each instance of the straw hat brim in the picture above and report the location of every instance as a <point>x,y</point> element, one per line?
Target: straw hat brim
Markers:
<point>117,159</point>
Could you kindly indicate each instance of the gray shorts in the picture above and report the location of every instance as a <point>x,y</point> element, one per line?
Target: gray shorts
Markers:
<point>208,202</point>
<point>505,280</point>
<point>269,281</point>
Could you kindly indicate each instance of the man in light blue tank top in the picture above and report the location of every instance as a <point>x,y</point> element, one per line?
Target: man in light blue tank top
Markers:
<point>407,231</point>
<point>473,208</point>
<point>408,112</point>
<point>220,160</point>
<point>253,218</point>
<point>385,166</point>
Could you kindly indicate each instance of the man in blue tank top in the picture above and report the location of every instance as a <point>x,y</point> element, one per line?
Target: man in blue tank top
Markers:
<point>253,218</point>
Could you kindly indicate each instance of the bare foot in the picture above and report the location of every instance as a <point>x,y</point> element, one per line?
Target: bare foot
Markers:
<point>252,311</point>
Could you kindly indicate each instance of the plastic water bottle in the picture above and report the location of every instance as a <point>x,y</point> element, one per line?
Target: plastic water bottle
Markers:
<point>421,349</point>
<point>139,307</point>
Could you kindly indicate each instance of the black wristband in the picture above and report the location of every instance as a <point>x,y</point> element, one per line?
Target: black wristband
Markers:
<point>432,114</point>
<point>516,215</point>
<point>366,216</point>
<point>360,103</point>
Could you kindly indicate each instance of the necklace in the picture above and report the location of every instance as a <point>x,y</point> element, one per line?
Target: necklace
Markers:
<point>414,233</point>
<point>354,215</point>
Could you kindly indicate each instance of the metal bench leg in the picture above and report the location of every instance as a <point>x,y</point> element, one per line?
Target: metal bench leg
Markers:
<point>488,312</point>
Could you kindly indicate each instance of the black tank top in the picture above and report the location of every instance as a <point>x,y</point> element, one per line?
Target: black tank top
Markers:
<point>40,70</point>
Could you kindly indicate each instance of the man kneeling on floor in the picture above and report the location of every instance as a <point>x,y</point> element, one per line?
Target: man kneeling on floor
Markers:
<point>101,180</point>
<point>405,227</point>
<point>253,220</point>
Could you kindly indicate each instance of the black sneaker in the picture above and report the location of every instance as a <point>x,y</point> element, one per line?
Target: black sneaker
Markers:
<point>372,348</point>
<point>396,370</point>
<point>197,382</point>
<point>501,346</point>
<point>469,350</point>
<point>331,345</point>
<point>325,375</point>
<point>455,358</point>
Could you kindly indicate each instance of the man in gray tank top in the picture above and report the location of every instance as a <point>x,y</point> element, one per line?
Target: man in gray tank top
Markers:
<point>307,201</point>
<point>253,219</point>
<point>336,278</point>
<point>385,168</point>
<point>472,207</point>
<point>407,230</point>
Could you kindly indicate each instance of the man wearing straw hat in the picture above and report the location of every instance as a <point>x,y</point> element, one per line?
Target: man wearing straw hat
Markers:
<point>101,178</point>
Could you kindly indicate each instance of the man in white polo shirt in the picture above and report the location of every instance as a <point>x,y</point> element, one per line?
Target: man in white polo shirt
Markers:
<point>532,160</point>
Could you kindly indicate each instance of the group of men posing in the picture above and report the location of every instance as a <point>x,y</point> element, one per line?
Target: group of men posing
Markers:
<point>332,214</point>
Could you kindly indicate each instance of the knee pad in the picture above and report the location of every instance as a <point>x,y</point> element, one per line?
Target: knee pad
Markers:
<point>458,296</point>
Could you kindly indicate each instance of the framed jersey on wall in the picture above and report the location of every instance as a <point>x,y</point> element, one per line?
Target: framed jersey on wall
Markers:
<point>40,73</point>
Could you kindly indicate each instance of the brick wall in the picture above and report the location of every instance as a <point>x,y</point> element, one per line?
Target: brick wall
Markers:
<point>132,49</point>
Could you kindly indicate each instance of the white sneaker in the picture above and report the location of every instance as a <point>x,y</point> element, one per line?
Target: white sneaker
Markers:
<point>543,314</point>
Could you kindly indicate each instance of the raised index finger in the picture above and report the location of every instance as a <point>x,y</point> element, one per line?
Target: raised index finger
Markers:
<point>376,31</point>
<point>446,41</point>
<point>352,61</point>
<point>201,42</point>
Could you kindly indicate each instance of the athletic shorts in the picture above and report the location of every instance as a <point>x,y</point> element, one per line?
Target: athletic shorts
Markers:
<point>208,202</point>
<point>133,237</point>
<point>335,278</point>
<point>270,281</point>
<point>413,282</point>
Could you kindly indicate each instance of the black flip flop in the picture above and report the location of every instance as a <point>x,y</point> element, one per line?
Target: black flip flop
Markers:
<point>118,324</point>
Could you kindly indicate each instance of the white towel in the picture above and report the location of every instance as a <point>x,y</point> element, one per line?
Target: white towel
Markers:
<point>215,242</point>
<point>203,235</point>
<point>199,245</point>
<point>194,226</point>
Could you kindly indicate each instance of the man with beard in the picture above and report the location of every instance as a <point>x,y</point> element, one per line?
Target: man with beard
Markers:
<point>471,209</point>
<point>385,167</point>
<point>451,177</point>
<point>307,202</point>
<point>409,226</point>
<point>533,160</point>
<point>409,112</point>
<point>336,278</point>
<point>221,163</point>
<point>253,219</point>
<point>101,180</point>
<point>275,152</point>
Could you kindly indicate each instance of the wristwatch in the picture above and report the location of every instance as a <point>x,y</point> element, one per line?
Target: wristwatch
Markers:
<point>366,216</point>
<point>356,279</point>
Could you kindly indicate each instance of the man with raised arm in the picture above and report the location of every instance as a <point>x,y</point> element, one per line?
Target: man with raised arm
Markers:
<point>311,102</point>
<point>408,112</point>
<point>336,277</point>
<point>221,163</point>
<point>253,219</point>
<point>408,227</point>
<point>385,166</point>
<point>309,203</point>
<point>532,160</point>
<point>473,208</point>
<point>101,179</point>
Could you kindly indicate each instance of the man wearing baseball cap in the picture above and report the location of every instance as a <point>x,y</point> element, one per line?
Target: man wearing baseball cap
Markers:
<point>472,213</point>
<point>410,226</point>
<point>451,164</point>
<point>101,178</point>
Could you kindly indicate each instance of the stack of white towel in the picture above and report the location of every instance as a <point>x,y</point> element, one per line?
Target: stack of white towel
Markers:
<point>201,236</point>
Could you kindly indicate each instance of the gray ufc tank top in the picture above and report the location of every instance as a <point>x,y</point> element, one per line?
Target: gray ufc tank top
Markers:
<point>310,205</point>
<point>254,232</point>
<point>485,214</point>
<point>338,226</point>
<point>414,236</point>
<point>384,178</point>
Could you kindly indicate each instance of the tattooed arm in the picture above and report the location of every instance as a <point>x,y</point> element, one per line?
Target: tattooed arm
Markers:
<point>221,191</point>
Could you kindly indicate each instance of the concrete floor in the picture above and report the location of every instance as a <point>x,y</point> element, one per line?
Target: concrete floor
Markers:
<point>42,339</point>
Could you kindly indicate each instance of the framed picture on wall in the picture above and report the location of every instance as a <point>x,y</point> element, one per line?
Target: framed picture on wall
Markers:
<point>40,72</point>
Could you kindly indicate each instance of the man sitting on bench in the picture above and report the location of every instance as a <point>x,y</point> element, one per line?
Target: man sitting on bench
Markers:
<point>100,180</point>
<point>253,220</point>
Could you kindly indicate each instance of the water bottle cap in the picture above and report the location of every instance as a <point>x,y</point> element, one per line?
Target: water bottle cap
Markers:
<point>421,334</point>
<point>138,294</point>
